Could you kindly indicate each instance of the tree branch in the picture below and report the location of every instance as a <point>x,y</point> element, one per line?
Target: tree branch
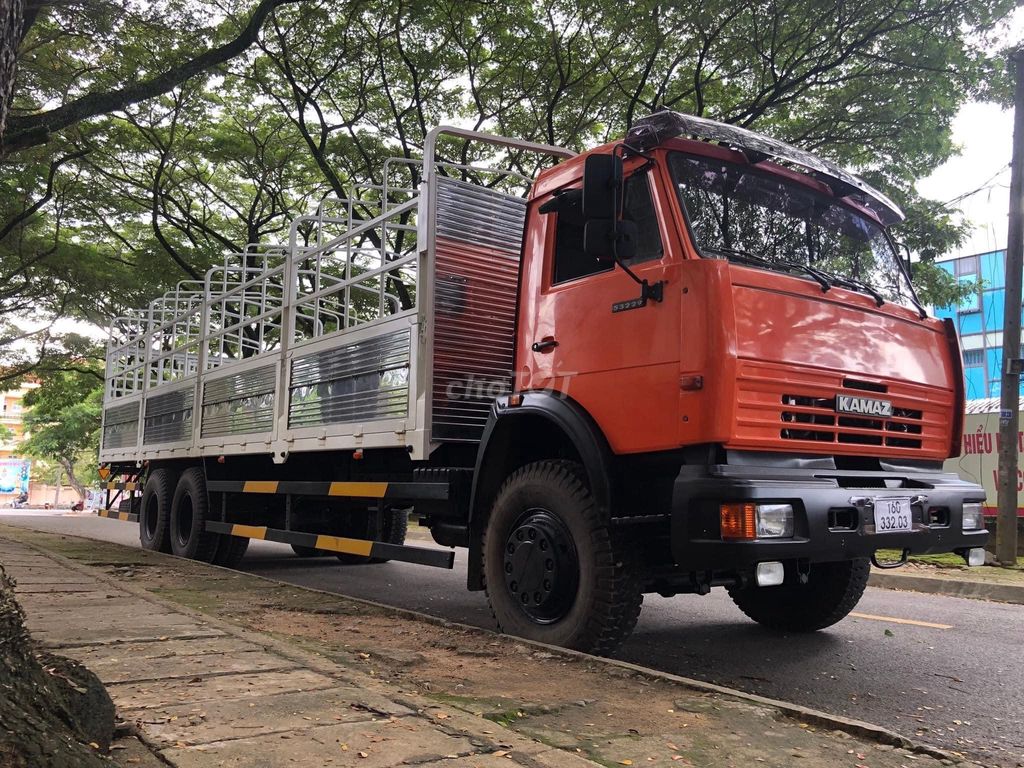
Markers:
<point>31,130</point>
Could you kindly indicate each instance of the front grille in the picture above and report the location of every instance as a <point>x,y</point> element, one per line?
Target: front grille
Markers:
<point>815,419</point>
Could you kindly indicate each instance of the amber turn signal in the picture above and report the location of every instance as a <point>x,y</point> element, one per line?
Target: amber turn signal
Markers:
<point>739,521</point>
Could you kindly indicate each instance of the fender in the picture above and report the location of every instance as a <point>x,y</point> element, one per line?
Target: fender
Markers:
<point>504,448</point>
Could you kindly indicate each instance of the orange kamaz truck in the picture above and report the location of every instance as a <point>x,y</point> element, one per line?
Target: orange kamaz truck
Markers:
<point>688,359</point>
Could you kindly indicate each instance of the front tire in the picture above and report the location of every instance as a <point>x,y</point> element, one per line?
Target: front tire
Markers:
<point>190,509</point>
<point>155,511</point>
<point>832,590</point>
<point>552,569</point>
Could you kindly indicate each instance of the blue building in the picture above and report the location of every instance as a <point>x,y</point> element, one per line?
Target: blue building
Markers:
<point>979,319</point>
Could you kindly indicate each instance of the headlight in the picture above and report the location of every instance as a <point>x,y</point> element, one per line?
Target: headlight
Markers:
<point>974,518</point>
<point>756,521</point>
<point>774,521</point>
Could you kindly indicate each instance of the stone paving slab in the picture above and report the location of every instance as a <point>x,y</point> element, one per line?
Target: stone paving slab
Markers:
<point>384,743</point>
<point>101,598</point>
<point>117,665</point>
<point>164,693</point>
<point>207,722</point>
<point>60,633</point>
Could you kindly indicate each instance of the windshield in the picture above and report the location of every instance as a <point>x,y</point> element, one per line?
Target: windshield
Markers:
<point>755,217</point>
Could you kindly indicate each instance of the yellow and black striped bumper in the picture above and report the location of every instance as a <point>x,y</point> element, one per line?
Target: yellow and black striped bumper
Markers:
<point>356,489</point>
<point>113,514</point>
<point>438,558</point>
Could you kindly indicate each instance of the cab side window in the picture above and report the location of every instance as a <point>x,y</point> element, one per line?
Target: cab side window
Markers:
<point>570,260</point>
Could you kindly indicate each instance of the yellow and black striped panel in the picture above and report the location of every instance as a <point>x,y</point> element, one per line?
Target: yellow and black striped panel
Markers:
<point>351,489</point>
<point>132,486</point>
<point>439,558</point>
<point>113,514</point>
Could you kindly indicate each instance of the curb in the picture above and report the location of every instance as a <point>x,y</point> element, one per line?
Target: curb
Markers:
<point>808,715</point>
<point>975,590</point>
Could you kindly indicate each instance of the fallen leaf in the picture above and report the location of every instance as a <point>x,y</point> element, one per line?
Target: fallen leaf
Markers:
<point>363,754</point>
<point>889,633</point>
<point>625,762</point>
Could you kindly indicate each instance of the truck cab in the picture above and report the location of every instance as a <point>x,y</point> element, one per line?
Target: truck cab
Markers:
<point>771,402</point>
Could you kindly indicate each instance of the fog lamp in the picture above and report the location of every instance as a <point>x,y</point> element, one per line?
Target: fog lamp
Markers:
<point>974,517</point>
<point>975,556</point>
<point>770,574</point>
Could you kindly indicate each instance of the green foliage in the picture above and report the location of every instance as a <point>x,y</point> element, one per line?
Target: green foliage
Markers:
<point>63,422</point>
<point>119,207</point>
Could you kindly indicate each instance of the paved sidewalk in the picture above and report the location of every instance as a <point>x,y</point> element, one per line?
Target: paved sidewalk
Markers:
<point>205,692</point>
<point>203,696</point>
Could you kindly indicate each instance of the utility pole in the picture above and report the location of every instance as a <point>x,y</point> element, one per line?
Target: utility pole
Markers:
<point>1009,401</point>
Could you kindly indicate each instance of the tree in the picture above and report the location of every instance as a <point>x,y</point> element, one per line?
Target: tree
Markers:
<point>63,424</point>
<point>122,205</point>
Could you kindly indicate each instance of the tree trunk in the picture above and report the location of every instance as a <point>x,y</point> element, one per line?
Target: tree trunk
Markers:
<point>74,482</point>
<point>10,37</point>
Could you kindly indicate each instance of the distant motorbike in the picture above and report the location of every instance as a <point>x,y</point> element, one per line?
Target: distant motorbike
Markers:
<point>20,502</point>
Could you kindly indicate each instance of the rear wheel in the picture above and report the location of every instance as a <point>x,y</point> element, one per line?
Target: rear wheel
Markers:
<point>552,570</point>
<point>190,509</point>
<point>830,593</point>
<point>230,551</point>
<point>394,528</point>
<point>155,511</point>
<point>308,551</point>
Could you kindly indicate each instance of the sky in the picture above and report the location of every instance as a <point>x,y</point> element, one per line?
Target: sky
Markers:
<point>985,133</point>
<point>980,174</point>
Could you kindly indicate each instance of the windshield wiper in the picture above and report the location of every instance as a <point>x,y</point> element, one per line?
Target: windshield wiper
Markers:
<point>820,277</point>
<point>852,282</point>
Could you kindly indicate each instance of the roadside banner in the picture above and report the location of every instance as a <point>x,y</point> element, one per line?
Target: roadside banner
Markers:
<point>14,475</point>
<point>978,461</point>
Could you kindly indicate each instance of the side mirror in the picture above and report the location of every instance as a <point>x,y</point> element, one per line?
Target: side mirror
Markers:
<point>602,187</point>
<point>607,240</point>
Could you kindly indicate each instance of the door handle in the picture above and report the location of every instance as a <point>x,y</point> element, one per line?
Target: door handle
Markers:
<point>544,345</point>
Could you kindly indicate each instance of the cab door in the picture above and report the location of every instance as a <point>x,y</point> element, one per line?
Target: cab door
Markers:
<point>620,364</point>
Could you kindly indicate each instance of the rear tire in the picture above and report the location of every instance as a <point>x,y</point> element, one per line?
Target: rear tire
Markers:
<point>190,509</point>
<point>552,569</point>
<point>394,528</point>
<point>831,592</point>
<point>230,551</point>
<point>308,551</point>
<point>155,511</point>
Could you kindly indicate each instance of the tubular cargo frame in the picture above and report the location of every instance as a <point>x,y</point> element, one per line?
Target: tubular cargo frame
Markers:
<point>387,321</point>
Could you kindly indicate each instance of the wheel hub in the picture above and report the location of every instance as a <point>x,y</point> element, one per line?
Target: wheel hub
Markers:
<point>541,566</point>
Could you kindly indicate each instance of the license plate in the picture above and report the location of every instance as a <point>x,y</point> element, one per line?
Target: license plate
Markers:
<point>893,516</point>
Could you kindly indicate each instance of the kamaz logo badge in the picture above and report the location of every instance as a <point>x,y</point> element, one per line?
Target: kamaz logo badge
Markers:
<point>864,406</point>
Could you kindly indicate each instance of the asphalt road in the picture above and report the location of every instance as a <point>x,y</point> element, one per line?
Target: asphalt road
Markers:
<point>943,670</point>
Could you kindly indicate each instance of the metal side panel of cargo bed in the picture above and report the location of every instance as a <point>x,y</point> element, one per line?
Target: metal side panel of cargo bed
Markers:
<point>387,321</point>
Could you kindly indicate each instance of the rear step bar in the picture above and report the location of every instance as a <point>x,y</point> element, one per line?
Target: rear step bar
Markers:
<point>114,514</point>
<point>438,558</point>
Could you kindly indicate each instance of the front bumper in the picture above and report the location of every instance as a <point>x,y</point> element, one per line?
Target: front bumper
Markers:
<point>829,525</point>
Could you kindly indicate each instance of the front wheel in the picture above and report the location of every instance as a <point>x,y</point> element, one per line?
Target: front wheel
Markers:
<point>829,594</point>
<point>552,570</point>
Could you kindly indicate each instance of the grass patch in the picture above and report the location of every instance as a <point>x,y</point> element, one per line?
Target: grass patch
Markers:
<point>945,560</point>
